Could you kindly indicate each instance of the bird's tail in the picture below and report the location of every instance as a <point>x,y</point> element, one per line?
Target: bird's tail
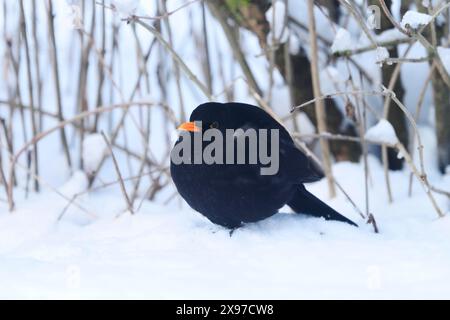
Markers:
<point>306,203</point>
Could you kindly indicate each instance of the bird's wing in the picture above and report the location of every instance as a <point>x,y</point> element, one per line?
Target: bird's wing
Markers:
<point>298,167</point>
<point>295,166</point>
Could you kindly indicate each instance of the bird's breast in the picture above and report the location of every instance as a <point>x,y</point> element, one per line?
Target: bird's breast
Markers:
<point>233,194</point>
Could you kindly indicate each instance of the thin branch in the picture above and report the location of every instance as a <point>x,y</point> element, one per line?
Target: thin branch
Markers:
<point>54,55</point>
<point>43,134</point>
<point>319,106</point>
<point>337,94</point>
<point>177,59</point>
<point>388,14</point>
<point>165,15</point>
<point>119,175</point>
<point>30,91</point>
<point>405,60</point>
<point>235,47</point>
<point>386,44</point>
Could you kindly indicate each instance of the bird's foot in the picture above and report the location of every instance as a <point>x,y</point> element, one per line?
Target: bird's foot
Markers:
<point>234,229</point>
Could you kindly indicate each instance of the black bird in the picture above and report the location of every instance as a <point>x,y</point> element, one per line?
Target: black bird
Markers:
<point>233,194</point>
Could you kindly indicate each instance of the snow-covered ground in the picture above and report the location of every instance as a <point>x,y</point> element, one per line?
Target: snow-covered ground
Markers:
<point>170,251</point>
<point>164,252</point>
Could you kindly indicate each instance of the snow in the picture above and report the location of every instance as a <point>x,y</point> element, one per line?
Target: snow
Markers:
<point>298,11</point>
<point>342,41</point>
<point>126,7</point>
<point>75,17</point>
<point>276,16</point>
<point>281,105</point>
<point>305,126</point>
<point>382,55</point>
<point>94,148</point>
<point>415,19</point>
<point>332,80</point>
<point>294,44</point>
<point>390,35</point>
<point>75,185</point>
<point>382,132</point>
<point>99,250</point>
<point>163,252</point>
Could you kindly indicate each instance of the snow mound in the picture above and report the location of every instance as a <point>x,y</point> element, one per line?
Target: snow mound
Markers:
<point>382,132</point>
<point>77,183</point>
<point>415,19</point>
<point>164,252</point>
<point>294,44</point>
<point>94,148</point>
<point>382,55</point>
<point>390,35</point>
<point>342,41</point>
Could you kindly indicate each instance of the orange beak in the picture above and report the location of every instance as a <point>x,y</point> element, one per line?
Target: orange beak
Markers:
<point>189,126</point>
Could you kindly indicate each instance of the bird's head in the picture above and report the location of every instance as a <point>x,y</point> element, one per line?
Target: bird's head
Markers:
<point>207,116</point>
<point>220,116</point>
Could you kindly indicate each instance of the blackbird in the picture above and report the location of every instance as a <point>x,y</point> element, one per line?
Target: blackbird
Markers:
<point>230,193</point>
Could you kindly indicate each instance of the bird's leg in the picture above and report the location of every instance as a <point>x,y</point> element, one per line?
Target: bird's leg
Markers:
<point>234,229</point>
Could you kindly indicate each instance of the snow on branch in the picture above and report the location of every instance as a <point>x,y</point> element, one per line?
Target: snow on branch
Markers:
<point>383,132</point>
<point>415,20</point>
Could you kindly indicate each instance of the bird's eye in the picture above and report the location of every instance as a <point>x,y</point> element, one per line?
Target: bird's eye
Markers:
<point>214,125</point>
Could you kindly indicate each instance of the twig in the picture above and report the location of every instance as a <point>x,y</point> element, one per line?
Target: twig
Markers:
<point>43,134</point>
<point>437,13</point>
<point>4,181</point>
<point>177,69</point>
<point>405,60</point>
<point>386,107</point>
<point>400,148</point>
<point>359,20</point>
<point>337,94</point>
<point>417,114</point>
<point>36,58</point>
<point>54,55</point>
<point>45,184</point>
<point>30,92</point>
<point>174,56</point>
<point>316,160</point>
<point>235,47</point>
<point>81,98</point>
<point>423,180</point>
<point>165,14</point>
<point>434,54</point>
<point>209,79</point>
<point>328,43</point>
<point>104,185</point>
<point>386,44</point>
<point>319,107</point>
<point>440,191</point>
<point>101,71</point>
<point>388,14</point>
<point>362,120</point>
<point>119,175</point>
